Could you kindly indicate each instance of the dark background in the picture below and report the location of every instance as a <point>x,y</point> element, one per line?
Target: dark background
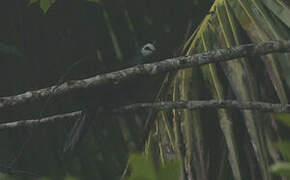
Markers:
<point>76,39</point>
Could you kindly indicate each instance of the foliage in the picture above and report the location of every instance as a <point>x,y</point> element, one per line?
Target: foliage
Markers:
<point>239,136</point>
<point>65,178</point>
<point>144,168</point>
<point>283,168</point>
<point>284,118</point>
<point>44,4</point>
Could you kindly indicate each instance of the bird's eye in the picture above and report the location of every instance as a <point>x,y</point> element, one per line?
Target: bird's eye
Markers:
<point>147,48</point>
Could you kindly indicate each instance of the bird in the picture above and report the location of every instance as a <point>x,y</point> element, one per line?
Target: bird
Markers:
<point>94,107</point>
<point>144,56</point>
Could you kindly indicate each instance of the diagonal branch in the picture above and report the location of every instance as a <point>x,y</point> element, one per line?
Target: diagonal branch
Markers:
<point>165,105</point>
<point>35,122</point>
<point>149,69</point>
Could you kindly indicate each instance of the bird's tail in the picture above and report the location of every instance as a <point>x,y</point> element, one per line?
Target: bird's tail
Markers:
<point>79,129</point>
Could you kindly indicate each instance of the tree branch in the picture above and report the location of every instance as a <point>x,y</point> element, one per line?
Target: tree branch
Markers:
<point>193,105</point>
<point>35,122</point>
<point>165,105</point>
<point>171,64</point>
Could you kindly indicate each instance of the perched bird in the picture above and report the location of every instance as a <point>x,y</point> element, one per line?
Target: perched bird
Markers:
<point>95,103</point>
<point>144,55</point>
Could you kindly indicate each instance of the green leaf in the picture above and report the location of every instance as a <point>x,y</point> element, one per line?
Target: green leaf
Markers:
<point>7,49</point>
<point>283,117</point>
<point>142,168</point>
<point>45,4</point>
<point>281,168</point>
<point>281,10</point>
<point>44,178</point>
<point>284,148</point>
<point>170,171</point>
<point>33,1</point>
<point>95,1</point>
<point>70,178</point>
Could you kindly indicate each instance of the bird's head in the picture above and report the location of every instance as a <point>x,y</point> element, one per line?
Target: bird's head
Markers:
<point>144,55</point>
<point>148,50</point>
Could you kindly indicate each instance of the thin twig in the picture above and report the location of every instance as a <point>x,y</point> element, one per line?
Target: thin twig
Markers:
<point>260,106</point>
<point>10,170</point>
<point>164,105</point>
<point>35,122</point>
